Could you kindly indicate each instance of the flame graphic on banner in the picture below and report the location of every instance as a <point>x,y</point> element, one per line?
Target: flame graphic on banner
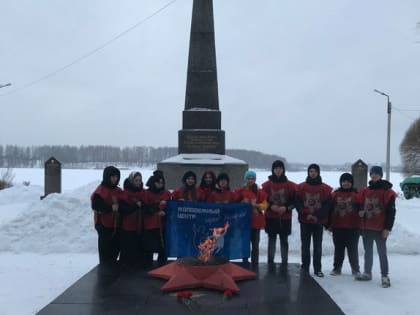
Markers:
<point>213,243</point>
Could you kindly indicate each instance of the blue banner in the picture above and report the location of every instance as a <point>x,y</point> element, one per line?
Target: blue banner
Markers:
<point>189,224</point>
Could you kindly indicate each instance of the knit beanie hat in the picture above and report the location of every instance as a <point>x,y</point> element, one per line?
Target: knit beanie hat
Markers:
<point>250,173</point>
<point>346,177</point>
<point>376,170</point>
<point>315,167</point>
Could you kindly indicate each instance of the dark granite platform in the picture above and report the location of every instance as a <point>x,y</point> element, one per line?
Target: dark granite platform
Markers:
<point>277,290</point>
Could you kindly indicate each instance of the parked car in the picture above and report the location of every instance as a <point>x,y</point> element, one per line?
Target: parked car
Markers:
<point>411,187</point>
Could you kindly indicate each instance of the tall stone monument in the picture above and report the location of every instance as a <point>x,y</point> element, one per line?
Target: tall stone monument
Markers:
<point>201,142</point>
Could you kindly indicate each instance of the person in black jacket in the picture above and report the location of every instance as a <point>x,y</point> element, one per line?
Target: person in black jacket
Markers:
<point>313,203</point>
<point>105,202</point>
<point>377,219</point>
<point>344,224</point>
<point>281,196</point>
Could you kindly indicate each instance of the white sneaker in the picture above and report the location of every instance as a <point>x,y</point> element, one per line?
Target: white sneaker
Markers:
<point>386,283</point>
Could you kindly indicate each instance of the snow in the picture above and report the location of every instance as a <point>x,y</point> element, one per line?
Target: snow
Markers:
<point>47,245</point>
<point>201,109</point>
<point>203,158</point>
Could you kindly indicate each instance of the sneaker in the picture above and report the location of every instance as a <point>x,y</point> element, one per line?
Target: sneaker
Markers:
<point>335,272</point>
<point>364,277</point>
<point>386,283</point>
<point>356,275</point>
<point>319,274</point>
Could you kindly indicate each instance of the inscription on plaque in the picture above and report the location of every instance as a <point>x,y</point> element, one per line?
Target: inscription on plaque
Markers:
<point>53,169</point>
<point>202,143</point>
<point>198,141</point>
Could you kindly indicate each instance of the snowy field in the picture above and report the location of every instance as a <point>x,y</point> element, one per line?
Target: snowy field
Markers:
<point>47,245</point>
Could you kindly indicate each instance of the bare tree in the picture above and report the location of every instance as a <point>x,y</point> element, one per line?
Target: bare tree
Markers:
<point>410,150</point>
<point>6,178</point>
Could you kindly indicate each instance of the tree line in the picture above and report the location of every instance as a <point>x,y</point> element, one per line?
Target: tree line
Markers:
<point>99,155</point>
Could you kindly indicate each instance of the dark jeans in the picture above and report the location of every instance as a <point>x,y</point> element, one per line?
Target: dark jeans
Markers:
<point>368,238</point>
<point>255,243</point>
<point>130,248</point>
<point>284,247</point>
<point>282,228</point>
<point>308,231</point>
<point>108,244</point>
<point>153,241</point>
<point>346,238</point>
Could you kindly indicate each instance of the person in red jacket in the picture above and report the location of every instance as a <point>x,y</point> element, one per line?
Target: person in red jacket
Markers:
<point>131,221</point>
<point>105,202</point>
<point>222,192</point>
<point>207,185</point>
<point>278,217</point>
<point>188,191</point>
<point>155,199</point>
<point>377,220</point>
<point>251,194</point>
<point>313,202</point>
<point>344,224</point>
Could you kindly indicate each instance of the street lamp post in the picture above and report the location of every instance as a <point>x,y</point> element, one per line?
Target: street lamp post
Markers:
<point>388,137</point>
<point>4,85</point>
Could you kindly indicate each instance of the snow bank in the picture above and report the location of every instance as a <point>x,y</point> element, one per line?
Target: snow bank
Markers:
<point>60,223</point>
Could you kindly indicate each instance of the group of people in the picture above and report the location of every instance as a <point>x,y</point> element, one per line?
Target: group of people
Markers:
<point>131,222</point>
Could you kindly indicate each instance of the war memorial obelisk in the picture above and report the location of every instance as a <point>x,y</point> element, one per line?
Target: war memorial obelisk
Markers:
<point>201,142</point>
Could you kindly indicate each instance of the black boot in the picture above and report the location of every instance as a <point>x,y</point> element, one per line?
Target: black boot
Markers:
<point>284,249</point>
<point>271,249</point>
<point>255,255</point>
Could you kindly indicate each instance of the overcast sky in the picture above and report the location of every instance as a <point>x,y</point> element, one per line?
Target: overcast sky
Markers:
<point>296,78</point>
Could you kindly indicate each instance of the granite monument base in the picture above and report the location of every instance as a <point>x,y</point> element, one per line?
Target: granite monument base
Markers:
<point>175,167</point>
<point>277,290</point>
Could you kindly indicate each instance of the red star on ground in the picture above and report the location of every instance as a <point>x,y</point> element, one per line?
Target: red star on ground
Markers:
<point>219,277</point>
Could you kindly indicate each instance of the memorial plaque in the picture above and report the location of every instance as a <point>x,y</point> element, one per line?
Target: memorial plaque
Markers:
<point>201,141</point>
<point>52,177</point>
<point>359,170</point>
